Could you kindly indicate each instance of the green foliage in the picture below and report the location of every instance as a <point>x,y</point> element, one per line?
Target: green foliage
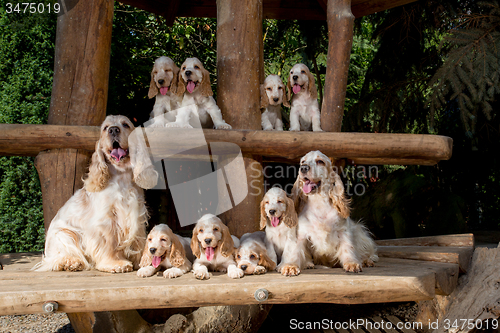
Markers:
<point>26,62</point>
<point>471,71</point>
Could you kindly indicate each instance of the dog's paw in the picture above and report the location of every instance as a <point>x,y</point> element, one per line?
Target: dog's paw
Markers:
<point>221,269</point>
<point>201,274</point>
<point>290,270</point>
<point>69,264</point>
<point>352,267</point>
<point>223,126</point>
<point>235,273</point>
<point>146,271</point>
<point>368,263</point>
<point>317,130</point>
<point>172,273</point>
<point>310,265</point>
<point>294,129</point>
<point>259,270</point>
<point>119,266</point>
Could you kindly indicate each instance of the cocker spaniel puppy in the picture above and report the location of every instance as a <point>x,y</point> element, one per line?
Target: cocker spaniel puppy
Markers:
<point>252,256</point>
<point>198,105</point>
<point>332,236</point>
<point>272,95</point>
<point>214,248</point>
<point>103,224</point>
<point>304,111</point>
<point>278,216</point>
<point>164,249</point>
<point>163,87</point>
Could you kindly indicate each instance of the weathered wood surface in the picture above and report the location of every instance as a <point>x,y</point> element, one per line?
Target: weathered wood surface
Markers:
<point>340,30</point>
<point>446,240</point>
<point>273,9</point>
<point>455,255</point>
<point>406,148</point>
<point>391,280</point>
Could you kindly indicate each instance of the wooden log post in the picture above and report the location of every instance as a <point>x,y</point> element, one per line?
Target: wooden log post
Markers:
<point>79,95</point>
<point>239,52</point>
<point>340,31</point>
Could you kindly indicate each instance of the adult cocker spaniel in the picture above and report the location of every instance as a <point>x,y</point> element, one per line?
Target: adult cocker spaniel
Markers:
<point>333,238</point>
<point>164,249</point>
<point>272,95</point>
<point>304,110</point>
<point>214,248</point>
<point>278,216</point>
<point>198,107</point>
<point>163,87</point>
<point>102,225</point>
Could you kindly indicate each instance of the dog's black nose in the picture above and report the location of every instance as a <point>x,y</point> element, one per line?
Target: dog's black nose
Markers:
<point>272,211</point>
<point>295,77</point>
<point>152,250</point>
<point>114,130</point>
<point>304,168</point>
<point>161,81</point>
<point>244,267</point>
<point>208,240</point>
<point>188,73</point>
<point>276,99</point>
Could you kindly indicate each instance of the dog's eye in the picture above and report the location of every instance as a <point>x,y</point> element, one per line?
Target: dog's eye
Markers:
<point>269,88</point>
<point>303,72</point>
<point>105,128</point>
<point>126,125</point>
<point>238,256</point>
<point>253,256</point>
<point>163,240</point>
<point>320,162</point>
<point>216,229</point>
<point>280,201</point>
<point>149,239</point>
<point>201,230</point>
<point>196,67</point>
<point>184,68</point>
<point>280,88</point>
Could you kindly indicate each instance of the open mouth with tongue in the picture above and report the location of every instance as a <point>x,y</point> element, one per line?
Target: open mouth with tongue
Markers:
<point>310,186</point>
<point>118,153</point>
<point>275,221</point>
<point>210,252</point>
<point>296,88</point>
<point>163,90</point>
<point>191,85</point>
<point>156,260</point>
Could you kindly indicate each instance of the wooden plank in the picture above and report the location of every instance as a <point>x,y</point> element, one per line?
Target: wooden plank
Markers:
<point>29,140</point>
<point>446,240</point>
<point>273,9</point>
<point>455,255</point>
<point>23,291</point>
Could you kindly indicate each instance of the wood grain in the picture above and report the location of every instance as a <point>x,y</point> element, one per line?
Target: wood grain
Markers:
<point>446,240</point>
<point>392,280</point>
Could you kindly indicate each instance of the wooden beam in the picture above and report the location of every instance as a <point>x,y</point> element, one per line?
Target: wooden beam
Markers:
<point>446,240</point>
<point>391,280</point>
<point>29,140</point>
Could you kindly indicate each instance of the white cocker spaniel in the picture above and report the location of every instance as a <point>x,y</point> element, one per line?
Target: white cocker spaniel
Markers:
<point>166,250</point>
<point>333,238</point>
<point>304,110</point>
<point>103,225</point>
<point>252,256</point>
<point>198,107</point>
<point>214,248</point>
<point>272,95</point>
<point>163,87</point>
<point>278,216</point>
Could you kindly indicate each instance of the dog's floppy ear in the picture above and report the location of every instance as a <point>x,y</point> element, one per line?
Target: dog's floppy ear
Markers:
<point>263,215</point>
<point>286,101</point>
<point>313,91</point>
<point>98,176</point>
<point>265,261</point>
<point>195,243</point>
<point>289,89</point>
<point>177,252</point>
<point>146,257</point>
<point>264,100</point>
<point>206,88</point>
<point>290,217</point>
<point>144,173</point>
<point>153,89</point>
<point>298,198</point>
<point>181,85</point>
<point>337,195</point>
<point>227,247</point>
<point>175,79</point>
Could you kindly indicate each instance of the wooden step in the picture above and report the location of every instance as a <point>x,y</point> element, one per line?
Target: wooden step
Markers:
<point>392,280</point>
<point>446,240</point>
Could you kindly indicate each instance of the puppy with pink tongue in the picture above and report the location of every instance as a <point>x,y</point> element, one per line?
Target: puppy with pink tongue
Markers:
<point>214,248</point>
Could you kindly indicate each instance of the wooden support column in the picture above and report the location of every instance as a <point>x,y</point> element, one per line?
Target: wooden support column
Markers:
<point>79,95</point>
<point>340,30</point>
<point>239,52</point>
